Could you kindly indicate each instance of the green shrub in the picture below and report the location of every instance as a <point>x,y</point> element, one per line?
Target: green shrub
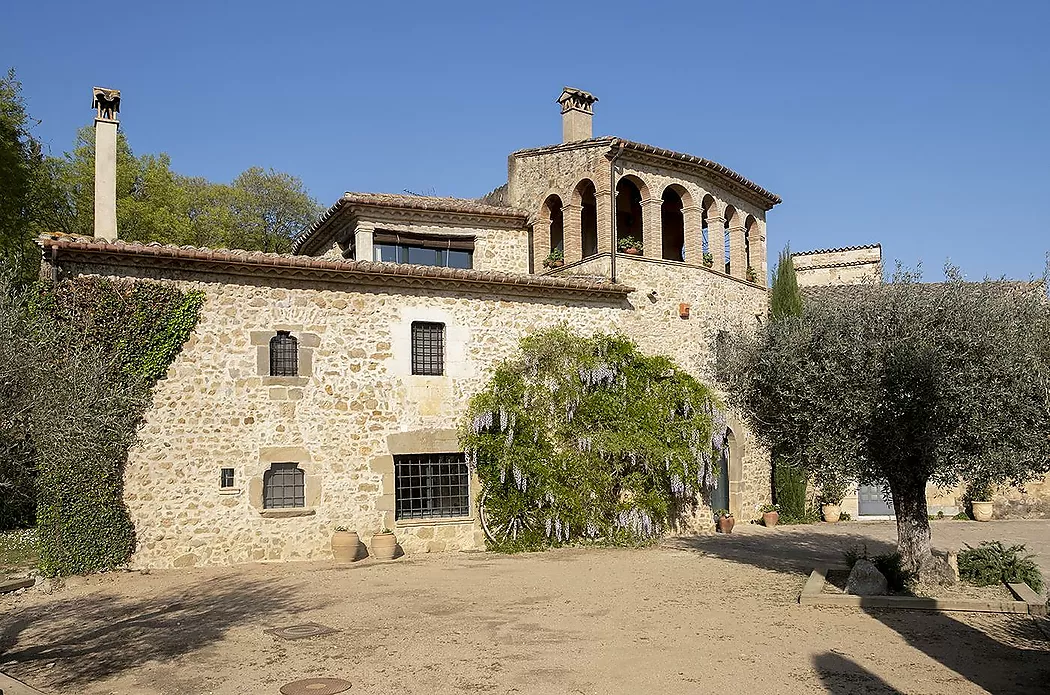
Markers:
<point>789,489</point>
<point>897,578</point>
<point>809,515</point>
<point>587,440</point>
<point>993,563</point>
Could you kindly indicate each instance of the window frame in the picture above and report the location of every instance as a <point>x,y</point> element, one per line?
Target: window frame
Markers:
<point>227,478</point>
<point>284,355</point>
<point>297,485</point>
<point>427,353</point>
<point>432,487</point>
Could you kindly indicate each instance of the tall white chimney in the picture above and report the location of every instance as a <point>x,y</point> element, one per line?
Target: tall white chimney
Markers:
<point>576,114</point>
<point>107,104</point>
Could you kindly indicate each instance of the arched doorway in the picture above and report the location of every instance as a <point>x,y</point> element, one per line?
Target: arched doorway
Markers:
<point>628,211</point>
<point>672,225</point>
<point>720,495</point>
<point>587,199</point>
<point>552,215</point>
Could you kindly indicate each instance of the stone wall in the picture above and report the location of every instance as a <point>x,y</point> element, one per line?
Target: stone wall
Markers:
<point>355,403</point>
<point>851,266</point>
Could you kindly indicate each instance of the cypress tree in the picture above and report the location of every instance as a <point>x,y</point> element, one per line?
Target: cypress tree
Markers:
<point>785,298</point>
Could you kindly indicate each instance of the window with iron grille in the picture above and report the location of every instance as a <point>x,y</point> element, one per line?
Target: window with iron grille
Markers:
<point>431,486</point>
<point>284,486</point>
<point>428,348</point>
<point>284,355</point>
<point>226,479</point>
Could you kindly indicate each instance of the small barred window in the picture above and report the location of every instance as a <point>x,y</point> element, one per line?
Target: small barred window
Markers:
<point>226,478</point>
<point>431,486</point>
<point>284,486</point>
<point>284,355</point>
<point>428,348</point>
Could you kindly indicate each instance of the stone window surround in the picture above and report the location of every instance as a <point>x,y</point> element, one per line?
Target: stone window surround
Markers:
<point>418,442</point>
<point>284,454</point>
<point>307,342</point>
<point>457,337</point>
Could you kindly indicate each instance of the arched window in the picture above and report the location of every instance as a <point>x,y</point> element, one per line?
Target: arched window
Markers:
<point>749,225</point>
<point>628,212</point>
<point>672,225</point>
<point>588,202</point>
<point>284,355</point>
<point>730,215</point>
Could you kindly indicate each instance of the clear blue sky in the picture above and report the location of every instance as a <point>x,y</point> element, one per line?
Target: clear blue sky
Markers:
<point>921,125</point>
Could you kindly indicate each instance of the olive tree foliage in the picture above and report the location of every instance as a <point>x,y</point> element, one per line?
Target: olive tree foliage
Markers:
<point>904,383</point>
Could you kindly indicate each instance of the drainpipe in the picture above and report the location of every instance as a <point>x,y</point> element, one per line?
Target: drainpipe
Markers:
<point>612,198</point>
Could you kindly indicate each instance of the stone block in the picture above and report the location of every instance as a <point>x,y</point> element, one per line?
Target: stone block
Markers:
<point>866,580</point>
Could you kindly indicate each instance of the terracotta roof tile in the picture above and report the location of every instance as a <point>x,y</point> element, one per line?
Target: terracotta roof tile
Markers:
<point>838,250</point>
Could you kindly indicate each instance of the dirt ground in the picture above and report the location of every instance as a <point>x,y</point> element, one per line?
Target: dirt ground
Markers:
<point>695,615</point>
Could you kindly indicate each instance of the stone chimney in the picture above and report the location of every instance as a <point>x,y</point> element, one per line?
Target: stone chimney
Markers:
<point>576,114</point>
<point>107,104</point>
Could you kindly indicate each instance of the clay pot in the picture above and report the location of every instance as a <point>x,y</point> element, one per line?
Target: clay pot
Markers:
<point>633,252</point>
<point>831,512</point>
<point>982,511</point>
<point>384,546</point>
<point>345,546</point>
<point>770,519</point>
<point>726,524</point>
<point>557,264</point>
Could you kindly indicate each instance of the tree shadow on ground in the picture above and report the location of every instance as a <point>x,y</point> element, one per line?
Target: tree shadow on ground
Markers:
<point>1002,654</point>
<point>92,637</point>
<point>842,676</point>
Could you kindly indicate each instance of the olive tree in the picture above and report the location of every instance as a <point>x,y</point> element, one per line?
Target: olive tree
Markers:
<point>904,384</point>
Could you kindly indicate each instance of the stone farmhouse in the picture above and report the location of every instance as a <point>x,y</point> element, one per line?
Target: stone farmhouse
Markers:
<point>324,387</point>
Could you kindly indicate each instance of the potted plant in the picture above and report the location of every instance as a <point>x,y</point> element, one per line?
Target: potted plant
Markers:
<point>752,276</point>
<point>979,495</point>
<point>725,520</point>
<point>345,545</point>
<point>555,259</point>
<point>384,545</point>
<point>631,245</point>
<point>709,260</point>
<point>832,490</point>
<point>770,514</point>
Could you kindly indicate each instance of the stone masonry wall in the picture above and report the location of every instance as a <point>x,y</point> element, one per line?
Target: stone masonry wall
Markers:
<point>839,267</point>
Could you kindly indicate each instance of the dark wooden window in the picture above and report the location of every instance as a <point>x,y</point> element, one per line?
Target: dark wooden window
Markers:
<point>428,348</point>
<point>284,355</point>
<point>226,478</point>
<point>423,249</point>
<point>284,486</point>
<point>429,486</point>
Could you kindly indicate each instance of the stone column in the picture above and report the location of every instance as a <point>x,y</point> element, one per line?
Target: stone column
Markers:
<point>692,219</point>
<point>758,251</point>
<point>571,232</point>
<point>604,221</point>
<point>652,228</point>
<point>716,242</point>
<point>737,254</point>
<point>105,179</point>
<point>363,232</point>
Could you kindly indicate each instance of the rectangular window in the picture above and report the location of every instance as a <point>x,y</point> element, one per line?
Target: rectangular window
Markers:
<point>284,486</point>
<point>226,479</point>
<point>428,348</point>
<point>441,250</point>
<point>431,486</point>
<point>284,355</point>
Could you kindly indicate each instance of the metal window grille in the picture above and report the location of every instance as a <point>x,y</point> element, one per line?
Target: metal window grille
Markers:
<point>428,348</point>
<point>284,355</point>
<point>284,485</point>
<point>430,486</point>
<point>226,477</point>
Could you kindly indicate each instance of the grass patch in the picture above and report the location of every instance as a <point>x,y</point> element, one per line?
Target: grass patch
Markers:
<point>18,550</point>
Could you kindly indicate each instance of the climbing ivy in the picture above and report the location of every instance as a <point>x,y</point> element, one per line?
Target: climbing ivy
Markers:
<point>583,439</point>
<point>100,346</point>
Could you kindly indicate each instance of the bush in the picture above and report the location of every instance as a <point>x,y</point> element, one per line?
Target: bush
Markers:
<point>789,489</point>
<point>889,564</point>
<point>993,563</point>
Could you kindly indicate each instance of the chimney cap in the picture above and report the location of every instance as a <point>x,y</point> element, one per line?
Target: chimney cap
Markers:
<point>106,101</point>
<point>572,98</point>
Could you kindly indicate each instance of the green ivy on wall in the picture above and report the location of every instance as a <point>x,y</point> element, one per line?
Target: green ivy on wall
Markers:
<point>102,345</point>
<point>588,440</point>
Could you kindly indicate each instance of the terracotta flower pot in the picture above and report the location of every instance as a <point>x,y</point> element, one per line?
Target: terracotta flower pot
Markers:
<point>831,512</point>
<point>770,519</point>
<point>384,546</point>
<point>557,264</point>
<point>982,511</point>
<point>345,546</point>
<point>726,523</point>
<point>633,251</point>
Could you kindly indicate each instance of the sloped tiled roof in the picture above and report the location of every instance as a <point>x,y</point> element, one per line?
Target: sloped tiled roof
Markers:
<point>838,250</point>
<point>238,262</point>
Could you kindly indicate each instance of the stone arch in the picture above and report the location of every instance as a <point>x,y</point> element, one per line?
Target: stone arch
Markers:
<point>731,221</point>
<point>585,199</point>
<point>552,222</point>
<point>672,223</point>
<point>750,225</point>
<point>630,192</point>
<point>735,456</point>
<point>709,210</point>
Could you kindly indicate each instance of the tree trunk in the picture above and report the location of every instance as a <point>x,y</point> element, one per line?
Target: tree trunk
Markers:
<point>913,524</point>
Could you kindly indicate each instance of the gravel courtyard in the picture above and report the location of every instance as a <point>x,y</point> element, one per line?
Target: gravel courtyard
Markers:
<point>694,615</point>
